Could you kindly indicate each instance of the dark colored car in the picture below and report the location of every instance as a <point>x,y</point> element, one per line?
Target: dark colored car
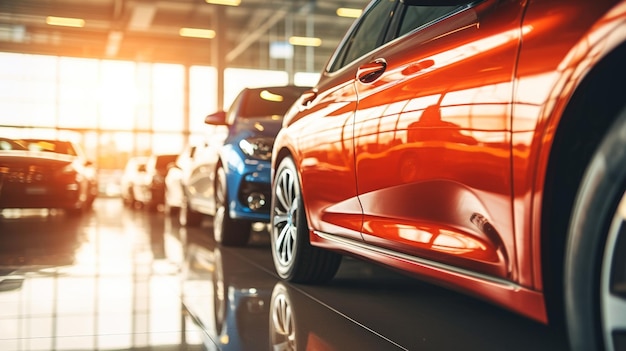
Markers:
<point>230,177</point>
<point>45,173</point>
<point>475,144</point>
<point>149,186</point>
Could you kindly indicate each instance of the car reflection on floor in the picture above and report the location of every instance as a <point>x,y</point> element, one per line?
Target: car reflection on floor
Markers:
<point>123,279</point>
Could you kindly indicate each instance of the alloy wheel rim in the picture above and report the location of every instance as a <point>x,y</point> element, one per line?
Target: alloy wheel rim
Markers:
<point>613,279</point>
<point>285,219</point>
<point>284,334</point>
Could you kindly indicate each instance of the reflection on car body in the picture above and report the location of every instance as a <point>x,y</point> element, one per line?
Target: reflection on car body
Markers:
<point>230,177</point>
<point>474,144</point>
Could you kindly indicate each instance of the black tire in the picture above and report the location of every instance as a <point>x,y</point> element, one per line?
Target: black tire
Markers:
<point>595,261</point>
<point>295,259</point>
<point>188,217</point>
<point>227,231</point>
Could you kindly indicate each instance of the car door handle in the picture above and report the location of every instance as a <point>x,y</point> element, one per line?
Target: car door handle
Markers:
<point>307,98</point>
<point>371,71</point>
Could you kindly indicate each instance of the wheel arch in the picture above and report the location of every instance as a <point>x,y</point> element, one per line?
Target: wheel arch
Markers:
<point>601,94</point>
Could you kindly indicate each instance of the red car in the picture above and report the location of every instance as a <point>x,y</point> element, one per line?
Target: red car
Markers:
<point>480,145</point>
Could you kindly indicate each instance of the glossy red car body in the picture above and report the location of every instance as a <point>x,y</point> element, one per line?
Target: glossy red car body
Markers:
<point>440,152</point>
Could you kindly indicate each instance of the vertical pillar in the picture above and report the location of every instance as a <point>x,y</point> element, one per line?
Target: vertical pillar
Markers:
<point>310,50</point>
<point>220,48</point>
<point>289,62</point>
<point>186,104</point>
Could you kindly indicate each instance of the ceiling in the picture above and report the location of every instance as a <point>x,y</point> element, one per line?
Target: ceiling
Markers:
<point>148,31</point>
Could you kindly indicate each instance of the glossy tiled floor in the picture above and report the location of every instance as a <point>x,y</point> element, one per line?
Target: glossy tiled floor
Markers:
<point>122,279</point>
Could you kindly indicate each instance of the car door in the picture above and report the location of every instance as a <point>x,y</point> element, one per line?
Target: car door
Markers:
<point>324,125</point>
<point>432,135</point>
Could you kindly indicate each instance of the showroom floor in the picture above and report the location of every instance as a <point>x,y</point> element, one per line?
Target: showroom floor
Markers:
<point>122,279</point>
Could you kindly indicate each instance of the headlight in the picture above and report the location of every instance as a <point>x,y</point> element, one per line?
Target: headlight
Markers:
<point>259,148</point>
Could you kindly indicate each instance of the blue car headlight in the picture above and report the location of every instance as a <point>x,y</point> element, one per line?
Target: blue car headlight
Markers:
<point>258,148</point>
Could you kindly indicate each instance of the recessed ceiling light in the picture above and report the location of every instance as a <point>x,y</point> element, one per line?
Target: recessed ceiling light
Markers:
<point>347,12</point>
<point>305,41</point>
<point>197,33</point>
<point>65,21</point>
<point>224,2</point>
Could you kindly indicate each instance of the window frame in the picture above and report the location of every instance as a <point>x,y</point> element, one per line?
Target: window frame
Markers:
<point>337,61</point>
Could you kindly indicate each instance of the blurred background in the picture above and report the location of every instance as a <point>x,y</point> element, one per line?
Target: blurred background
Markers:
<point>127,78</point>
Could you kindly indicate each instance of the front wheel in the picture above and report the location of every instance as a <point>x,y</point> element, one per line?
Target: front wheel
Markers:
<point>595,265</point>
<point>227,231</point>
<point>295,259</point>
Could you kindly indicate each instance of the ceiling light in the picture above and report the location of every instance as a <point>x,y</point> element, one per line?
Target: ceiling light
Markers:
<point>347,12</point>
<point>305,41</point>
<point>224,2</point>
<point>65,21</point>
<point>197,33</point>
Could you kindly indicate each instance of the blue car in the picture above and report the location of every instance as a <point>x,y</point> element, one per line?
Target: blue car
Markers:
<point>229,178</point>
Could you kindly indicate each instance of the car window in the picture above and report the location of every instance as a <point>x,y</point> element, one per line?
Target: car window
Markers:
<point>367,35</point>
<point>7,144</point>
<point>163,160</point>
<point>56,146</point>
<point>269,101</point>
<point>414,17</point>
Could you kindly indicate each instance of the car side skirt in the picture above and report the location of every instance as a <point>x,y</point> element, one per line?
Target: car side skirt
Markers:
<point>507,294</point>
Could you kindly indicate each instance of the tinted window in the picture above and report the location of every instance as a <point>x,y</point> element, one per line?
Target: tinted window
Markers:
<point>59,147</point>
<point>7,144</point>
<point>268,101</point>
<point>163,160</point>
<point>367,35</point>
<point>417,16</point>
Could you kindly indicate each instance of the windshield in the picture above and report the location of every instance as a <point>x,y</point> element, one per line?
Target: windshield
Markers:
<point>56,146</point>
<point>10,144</point>
<point>261,102</point>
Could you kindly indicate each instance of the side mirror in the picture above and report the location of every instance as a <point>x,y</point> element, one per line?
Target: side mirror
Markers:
<point>217,118</point>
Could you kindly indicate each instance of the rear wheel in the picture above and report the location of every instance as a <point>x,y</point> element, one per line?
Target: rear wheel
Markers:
<point>595,265</point>
<point>227,231</point>
<point>295,259</point>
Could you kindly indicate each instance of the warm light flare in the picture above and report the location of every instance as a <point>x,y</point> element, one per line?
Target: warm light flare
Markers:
<point>269,96</point>
<point>197,33</point>
<point>348,12</point>
<point>65,21</point>
<point>305,41</point>
<point>224,2</point>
